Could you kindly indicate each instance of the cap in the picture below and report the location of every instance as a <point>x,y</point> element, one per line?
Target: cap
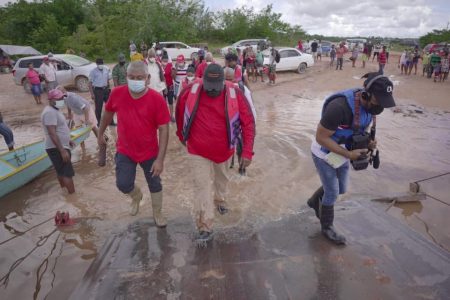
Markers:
<point>164,56</point>
<point>213,78</point>
<point>190,69</point>
<point>180,58</point>
<point>201,52</point>
<point>55,94</point>
<point>381,87</point>
<point>121,57</point>
<point>99,61</point>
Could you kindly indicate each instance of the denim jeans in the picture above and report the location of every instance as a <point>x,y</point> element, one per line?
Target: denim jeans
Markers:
<point>381,69</point>
<point>126,174</point>
<point>334,181</point>
<point>339,63</point>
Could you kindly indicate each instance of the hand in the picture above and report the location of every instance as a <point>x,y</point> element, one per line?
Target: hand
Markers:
<point>246,162</point>
<point>72,144</point>
<point>101,140</point>
<point>93,97</point>
<point>357,154</point>
<point>373,145</point>
<point>65,156</point>
<point>157,167</point>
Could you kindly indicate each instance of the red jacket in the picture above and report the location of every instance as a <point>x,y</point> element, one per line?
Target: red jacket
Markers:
<point>208,135</point>
<point>382,57</point>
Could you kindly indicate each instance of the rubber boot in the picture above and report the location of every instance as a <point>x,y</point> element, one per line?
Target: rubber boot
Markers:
<point>157,199</point>
<point>326,220</point>
<point>136,196</point>
<point>314,201</point>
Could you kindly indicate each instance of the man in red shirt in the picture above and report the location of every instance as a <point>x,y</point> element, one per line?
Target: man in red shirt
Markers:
<point>210,134</point>
<point>382,59</point>
<point>209,59</point>
<point>169,92</point>
<point>141,112</point>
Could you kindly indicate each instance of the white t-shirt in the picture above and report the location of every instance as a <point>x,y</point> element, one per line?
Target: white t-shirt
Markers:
<point>248,95</point>
<point>49,71</point>
<point>155,79</point>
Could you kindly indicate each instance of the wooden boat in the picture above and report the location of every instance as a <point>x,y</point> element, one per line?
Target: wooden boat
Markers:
<point>21,165</point>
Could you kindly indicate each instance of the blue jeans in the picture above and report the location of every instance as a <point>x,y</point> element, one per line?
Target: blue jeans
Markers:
<point>334,181</point>
<point>381,69</point>
<point>126,174</point>
<point>7,135</point>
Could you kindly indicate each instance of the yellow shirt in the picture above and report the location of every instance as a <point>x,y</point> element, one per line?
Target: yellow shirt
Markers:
<point>137,57</point>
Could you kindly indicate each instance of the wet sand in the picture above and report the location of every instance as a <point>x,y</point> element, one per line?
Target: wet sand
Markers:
<point>413,143</point>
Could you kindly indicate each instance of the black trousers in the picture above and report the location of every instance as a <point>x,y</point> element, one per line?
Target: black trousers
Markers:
<point>101,96</point>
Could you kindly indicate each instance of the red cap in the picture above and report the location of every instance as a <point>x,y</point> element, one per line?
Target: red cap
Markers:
<point>180,58</point>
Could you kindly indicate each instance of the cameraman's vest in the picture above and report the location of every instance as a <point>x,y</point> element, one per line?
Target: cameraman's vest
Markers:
<point>231,111</point>
<point>343,134</point>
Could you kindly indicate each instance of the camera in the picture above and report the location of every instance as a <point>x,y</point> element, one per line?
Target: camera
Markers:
<point>360,141</point>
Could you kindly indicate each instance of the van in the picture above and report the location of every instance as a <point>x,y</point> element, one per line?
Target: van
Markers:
<point>352,42</point>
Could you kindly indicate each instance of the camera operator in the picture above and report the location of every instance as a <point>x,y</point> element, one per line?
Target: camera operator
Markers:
<point>342,138</point>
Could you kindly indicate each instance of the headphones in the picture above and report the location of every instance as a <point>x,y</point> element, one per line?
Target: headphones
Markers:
<point>365,93</point>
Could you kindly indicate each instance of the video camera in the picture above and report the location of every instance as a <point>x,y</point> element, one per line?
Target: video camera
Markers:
<point>361,141</point>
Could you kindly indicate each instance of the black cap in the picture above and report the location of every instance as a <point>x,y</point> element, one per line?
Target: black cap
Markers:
<point>190,69</point>
<point>99,61</point>
<point>214,78</point>
<point>381,87</point>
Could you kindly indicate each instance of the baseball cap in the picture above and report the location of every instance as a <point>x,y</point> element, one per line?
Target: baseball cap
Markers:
<point>381,88</point>
<point>99,61</point>
<point>180,58</point>
<point>201,52</point>
<point>121,57</point>
<point>214,78</point>
<point>190,69</point>
<point>55,94</point>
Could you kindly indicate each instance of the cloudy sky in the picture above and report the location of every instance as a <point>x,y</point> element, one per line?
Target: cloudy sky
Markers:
<point>390,18</point>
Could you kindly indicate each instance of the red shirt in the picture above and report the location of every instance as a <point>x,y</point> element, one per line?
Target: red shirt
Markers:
<point>208,134</point>
<point>201,69</point>
<point>137,122</point>
<point>33,77</point>
<point>168,75</point>
<point>382,57</point>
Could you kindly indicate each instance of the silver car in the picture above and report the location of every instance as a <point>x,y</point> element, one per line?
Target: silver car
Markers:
<point>72,70</point>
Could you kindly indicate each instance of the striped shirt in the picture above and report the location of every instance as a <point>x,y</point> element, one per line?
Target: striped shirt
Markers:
<point>181,72</point>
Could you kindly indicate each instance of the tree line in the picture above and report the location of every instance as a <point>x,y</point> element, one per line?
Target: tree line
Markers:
<point>105,27</point>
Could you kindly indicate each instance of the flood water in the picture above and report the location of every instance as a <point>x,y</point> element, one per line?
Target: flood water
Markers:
<point>45,263</point>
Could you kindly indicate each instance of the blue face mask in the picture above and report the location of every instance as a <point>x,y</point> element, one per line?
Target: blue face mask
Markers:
<point>136,86</point>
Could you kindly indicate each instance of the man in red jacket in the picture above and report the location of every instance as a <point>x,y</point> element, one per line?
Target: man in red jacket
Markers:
<point>210,134</point>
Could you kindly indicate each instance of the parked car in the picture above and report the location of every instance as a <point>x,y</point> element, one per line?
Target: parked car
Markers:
<point>242,44</point>
<point>291,59</point>
<point>176,48</point>
<point>72,70</point>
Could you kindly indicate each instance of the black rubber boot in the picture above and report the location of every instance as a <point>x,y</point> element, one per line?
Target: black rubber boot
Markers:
<point>314,201</point>
<point>326,220</point>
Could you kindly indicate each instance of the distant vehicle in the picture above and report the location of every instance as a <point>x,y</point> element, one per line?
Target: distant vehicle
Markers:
<point>242,44</point>
<point>291,59</point>
<point>436,47</point>
<point>352,42</point>
<point>7,52</point>
<point>176,48</point>
<point>326,47</point>
<point>72,70</point>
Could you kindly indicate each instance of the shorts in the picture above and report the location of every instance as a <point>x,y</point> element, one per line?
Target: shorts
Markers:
<point>319,54</point>
<point>79,119</point>
<point>314,54</point>
<point>250,66</point>
<point>36,89</point>
<point>63,169</point>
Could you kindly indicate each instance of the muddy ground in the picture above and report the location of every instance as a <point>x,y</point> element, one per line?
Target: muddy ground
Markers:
<point>413,140</point>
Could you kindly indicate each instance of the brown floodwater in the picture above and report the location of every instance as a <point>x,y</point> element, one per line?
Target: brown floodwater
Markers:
<point>46,263</point>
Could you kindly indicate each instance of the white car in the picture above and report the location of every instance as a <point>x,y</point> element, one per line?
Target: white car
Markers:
<point>291,59</point>
<point>242,44</point>
<point>176,48</point>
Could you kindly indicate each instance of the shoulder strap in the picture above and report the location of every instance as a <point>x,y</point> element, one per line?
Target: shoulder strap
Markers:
<point>356,116</point>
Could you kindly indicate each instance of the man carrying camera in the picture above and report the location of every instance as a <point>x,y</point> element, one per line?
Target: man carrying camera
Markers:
<point>342,137</point>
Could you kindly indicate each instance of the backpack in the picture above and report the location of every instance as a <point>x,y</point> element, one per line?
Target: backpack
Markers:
<point>277,56</point>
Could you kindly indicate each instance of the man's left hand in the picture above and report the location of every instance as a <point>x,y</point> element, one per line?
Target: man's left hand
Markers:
<point>373,145</point>
<point>157,167</point>
<point>246,162</point>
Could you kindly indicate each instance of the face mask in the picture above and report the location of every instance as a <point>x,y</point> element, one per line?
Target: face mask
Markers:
<point>152,59</point>
<point>136,86</point>
<point>376,110</point>
<point>163,64</point>
<point>213,93</point>
<point>100,67</point>
<point>122,63</point>
<point>59,104</point>
<point>190,78</point>
<point>208,62</point>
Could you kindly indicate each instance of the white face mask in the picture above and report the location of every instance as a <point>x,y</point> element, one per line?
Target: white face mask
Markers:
<point>152,59</point>
<point>190,78</point>
<point>100,67</point>
<point>60,104</point>
<point>136,86</point>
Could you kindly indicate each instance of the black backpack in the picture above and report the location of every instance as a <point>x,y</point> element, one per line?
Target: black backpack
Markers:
<point>277,56</point>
